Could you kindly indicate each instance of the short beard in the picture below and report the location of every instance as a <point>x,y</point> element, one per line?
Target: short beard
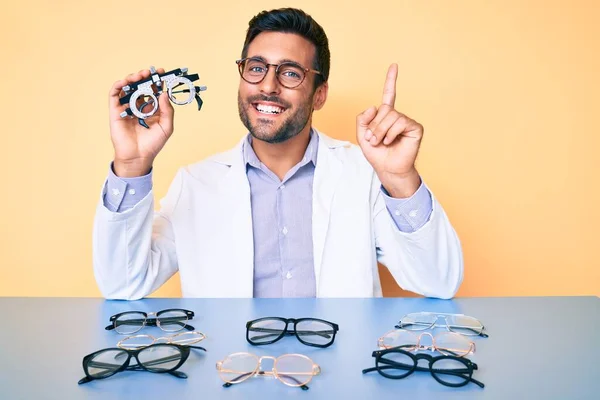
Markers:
<point>291,127</point>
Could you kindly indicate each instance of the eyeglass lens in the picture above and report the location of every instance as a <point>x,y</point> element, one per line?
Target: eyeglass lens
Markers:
<point>398,365</point>
<point>448,343</point>
<point>169,321</point>
<point>309,331</point>
<point>291,369</point>
<point>155,359</point>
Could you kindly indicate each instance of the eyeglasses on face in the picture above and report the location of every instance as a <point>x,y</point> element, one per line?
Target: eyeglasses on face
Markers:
<point>289,74</point>
<point>458,323</point>
<point>169,320</point>
<point>450,371</point>
<point>295,370</point>
<point>139,341</point>
<point>157,358</point>
<point>309,331</point>
<point>447,343</point>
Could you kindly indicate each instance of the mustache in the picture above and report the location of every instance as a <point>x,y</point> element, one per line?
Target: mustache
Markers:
<point>271,99</point>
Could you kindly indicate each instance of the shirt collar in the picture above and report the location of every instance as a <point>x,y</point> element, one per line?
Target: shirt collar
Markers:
<point>310,154</point>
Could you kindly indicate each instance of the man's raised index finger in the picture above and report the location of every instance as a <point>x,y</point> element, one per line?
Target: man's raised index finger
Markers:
<point>389,89</point>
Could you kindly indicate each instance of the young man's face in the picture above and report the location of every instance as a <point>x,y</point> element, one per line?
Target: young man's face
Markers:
<point>270,111</point>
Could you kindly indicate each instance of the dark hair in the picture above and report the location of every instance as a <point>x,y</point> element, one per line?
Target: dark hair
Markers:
<point>292,20</point>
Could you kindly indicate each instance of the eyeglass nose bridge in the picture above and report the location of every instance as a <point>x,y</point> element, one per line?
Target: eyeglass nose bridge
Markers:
<point>260,360</point>
<point>268,372</point>
<point>425,347</point>
<point>434,323</point>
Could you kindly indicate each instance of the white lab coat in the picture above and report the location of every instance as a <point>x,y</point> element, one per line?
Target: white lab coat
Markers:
<point>204,231</point>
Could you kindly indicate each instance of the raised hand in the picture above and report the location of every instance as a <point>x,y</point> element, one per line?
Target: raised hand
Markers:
<point>390,141</point>
<point>136,147</point>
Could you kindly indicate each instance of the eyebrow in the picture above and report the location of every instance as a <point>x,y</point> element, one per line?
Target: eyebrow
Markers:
<point>283,60</point>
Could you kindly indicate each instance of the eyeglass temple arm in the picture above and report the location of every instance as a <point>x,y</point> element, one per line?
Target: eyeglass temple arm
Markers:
<point>177,374</point>
<point>151,322</point>
<point>277,332</point>
<point>479,332</point>
<point>228,384</point>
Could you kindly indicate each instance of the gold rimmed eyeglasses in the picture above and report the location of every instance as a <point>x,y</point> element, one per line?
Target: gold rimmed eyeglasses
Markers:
<point>295,370</point>
<point>140,341</point>
<point>447,343</point>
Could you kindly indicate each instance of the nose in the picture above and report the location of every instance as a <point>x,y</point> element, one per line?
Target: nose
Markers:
<point>270,84</point>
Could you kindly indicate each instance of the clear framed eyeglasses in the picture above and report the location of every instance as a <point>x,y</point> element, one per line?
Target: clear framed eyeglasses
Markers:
<point>458,323</point>
<point>295,370</point>
<point>140,341</point>
<point>447,343</point>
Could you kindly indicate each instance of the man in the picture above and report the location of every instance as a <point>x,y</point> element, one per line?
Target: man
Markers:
<point>289,212</point>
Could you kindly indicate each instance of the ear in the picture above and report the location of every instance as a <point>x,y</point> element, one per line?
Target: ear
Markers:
<point>320,96</point>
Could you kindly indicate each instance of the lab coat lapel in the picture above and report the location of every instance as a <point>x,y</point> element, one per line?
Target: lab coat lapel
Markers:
<point>327,175</point>
<point>238,250</point>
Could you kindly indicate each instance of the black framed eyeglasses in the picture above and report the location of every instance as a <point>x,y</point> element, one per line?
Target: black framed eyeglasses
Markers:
<point>157,358</point>
<point>169,320</point>
<point>451,371</point>
<point>289,74</point>
<point>309,331</point>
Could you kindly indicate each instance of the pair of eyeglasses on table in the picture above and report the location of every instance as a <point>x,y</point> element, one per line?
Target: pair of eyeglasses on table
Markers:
<point>169,320</point>
<point>158,355</point>
<point>295,370</point>
<point>157,358</point>
<point>396,359</point>
<point>397,363</point>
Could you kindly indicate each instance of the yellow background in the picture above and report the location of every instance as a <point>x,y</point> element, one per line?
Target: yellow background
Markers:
<point>508,92</point>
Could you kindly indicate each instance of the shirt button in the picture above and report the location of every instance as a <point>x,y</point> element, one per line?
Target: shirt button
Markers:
<point>284,230</point>
<point>282,187</point>
<point>116,192</point>
<point>288,275</point>
<point>413,213</point>
<point>397,212</point>
<point>132,191</point>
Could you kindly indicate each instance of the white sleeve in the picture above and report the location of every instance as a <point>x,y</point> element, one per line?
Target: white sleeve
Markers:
<point>134,251</point>
<point>428,261</point>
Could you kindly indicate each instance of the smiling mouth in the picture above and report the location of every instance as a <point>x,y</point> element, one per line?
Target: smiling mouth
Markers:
<point>268,109</point>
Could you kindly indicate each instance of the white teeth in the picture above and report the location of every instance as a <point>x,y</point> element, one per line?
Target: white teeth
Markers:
<point>268,109</point>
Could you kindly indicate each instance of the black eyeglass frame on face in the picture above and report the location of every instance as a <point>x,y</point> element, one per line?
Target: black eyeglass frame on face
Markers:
<point>157,321</point>
<point>184,353</point>
<point>291,332</point>
<point>382,363</point>
<point>242,62</point>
